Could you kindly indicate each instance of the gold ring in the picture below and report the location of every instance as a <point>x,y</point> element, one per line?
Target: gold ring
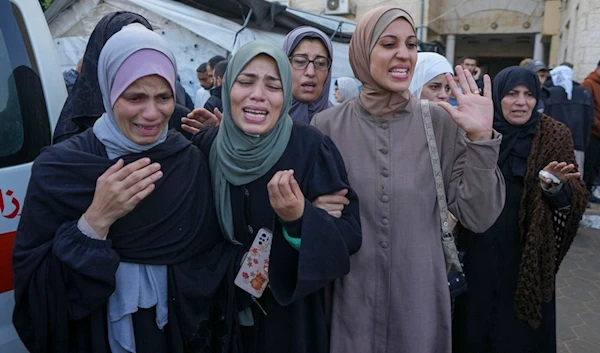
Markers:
<point>477,91</point>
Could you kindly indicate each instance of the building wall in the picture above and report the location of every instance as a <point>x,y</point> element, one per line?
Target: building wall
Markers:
<point>468,21</point>
<point>580,35</point>
<point>568,30</point>
<point>359,7</point>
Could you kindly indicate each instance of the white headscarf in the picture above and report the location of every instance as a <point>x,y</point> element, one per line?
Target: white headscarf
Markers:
<point>348,87</point>
<point>429,65</point>
<point>563,76</point>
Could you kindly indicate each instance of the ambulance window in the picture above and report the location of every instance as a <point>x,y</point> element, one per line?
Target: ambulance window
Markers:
<point>24,124</point>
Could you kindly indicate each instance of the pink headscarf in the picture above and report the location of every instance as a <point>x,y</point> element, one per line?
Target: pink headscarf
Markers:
<point>155,63</point>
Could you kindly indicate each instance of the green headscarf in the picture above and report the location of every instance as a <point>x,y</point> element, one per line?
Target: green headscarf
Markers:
<point>237,158</point>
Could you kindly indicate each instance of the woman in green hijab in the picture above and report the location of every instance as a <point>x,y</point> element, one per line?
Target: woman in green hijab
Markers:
<point>266,170</point>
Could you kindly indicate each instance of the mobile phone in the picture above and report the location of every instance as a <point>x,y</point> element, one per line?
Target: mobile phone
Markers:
<point>253,276</point>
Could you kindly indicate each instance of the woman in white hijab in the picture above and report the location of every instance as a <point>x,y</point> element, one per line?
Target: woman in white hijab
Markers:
<point>346,89</point>
<point>429,81</point>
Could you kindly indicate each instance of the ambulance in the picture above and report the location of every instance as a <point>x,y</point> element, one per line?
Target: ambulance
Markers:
<point>32,93</point>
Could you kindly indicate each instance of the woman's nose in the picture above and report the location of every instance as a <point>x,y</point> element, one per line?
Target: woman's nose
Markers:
<point>151,111</point>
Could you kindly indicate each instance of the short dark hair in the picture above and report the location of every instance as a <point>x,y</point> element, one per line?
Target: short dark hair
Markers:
<point>215,60</point>
<point>220,68</point>
<point>201,68</point>
<point>468,57</point>
<point>598,63</point>
<point>566,63</point>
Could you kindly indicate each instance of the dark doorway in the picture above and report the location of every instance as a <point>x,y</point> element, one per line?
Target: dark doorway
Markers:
<point>493,65</point>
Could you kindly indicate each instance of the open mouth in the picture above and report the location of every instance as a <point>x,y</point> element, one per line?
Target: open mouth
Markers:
<point>147,130</point>
<point>519,113</point>
<point>399,73</point>
<point>309,87</point>
<point>255,115</point>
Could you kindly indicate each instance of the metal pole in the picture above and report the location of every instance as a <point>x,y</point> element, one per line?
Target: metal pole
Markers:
<point>422,24</point>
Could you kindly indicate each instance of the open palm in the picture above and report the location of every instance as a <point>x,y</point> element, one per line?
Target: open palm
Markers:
<point>475,113</point>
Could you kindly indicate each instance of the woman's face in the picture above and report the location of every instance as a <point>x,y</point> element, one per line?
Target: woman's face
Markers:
<point>394,55</point>
<point>437,89</point>
<point>307,83</point>
<point>143,110</point>
<point>338,95</point>
<point>257,96</point>
<point>518,105</point>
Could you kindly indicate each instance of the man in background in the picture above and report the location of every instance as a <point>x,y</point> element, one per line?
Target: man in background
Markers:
<point>574,106</point>
<point>206,83</point>
<point>214,101</point>
<point>469,63</point>
<point>541,70</point>
<point>592,153</point>
<point>210,66</point>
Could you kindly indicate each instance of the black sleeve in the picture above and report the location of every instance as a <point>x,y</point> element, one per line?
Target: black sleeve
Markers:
<point>211,104</point>
<point>175,120</point>
<point>326,242</point>
<point>60,274</point>
<point>560,201</point>
<point>588,119</point>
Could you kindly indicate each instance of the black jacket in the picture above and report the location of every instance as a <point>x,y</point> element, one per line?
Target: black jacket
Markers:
<point>577,113</point>
<point>214,101</point>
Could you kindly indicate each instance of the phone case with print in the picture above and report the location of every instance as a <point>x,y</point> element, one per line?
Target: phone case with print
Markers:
<point>253,276</point>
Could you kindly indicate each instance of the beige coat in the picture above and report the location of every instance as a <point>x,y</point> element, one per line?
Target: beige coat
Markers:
<point>396,299</point>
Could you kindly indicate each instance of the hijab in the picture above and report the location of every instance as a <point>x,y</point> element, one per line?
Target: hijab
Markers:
<point>563,76</point>
<point>516,139</point>
<point>237,158</point>
<point>429,65</point>
<point>150,55</point>
<point>348,87</point>
<point>85,100</point>
<point>305,111</point>
<point>375,99</point>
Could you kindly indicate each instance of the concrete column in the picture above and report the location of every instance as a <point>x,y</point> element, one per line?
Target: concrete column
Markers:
<point>538,48</point>
<point>450,48</point>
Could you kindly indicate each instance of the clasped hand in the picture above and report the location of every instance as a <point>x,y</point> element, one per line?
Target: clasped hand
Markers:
<point>285,196</point>
<point>119,190</point>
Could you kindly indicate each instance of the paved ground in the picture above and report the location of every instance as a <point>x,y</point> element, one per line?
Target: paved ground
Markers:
<point>578,293</point>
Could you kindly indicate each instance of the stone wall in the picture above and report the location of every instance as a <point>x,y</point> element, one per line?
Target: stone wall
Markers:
<point>580,35</point>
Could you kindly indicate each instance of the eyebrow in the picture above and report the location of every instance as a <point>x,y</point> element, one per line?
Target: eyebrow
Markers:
<point>308,57</point>
<point>395,36</point>
<point>253,75</point>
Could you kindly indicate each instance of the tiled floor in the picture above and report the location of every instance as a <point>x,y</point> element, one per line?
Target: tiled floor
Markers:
<point>578,295</point>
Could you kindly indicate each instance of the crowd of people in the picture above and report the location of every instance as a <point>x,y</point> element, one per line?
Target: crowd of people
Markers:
<point>266,219</point>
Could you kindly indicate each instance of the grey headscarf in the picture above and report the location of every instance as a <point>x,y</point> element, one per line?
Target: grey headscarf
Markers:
<point>235,157</point>
<point>118,48</point>
<point>305,111</point>
<point>137,285</point>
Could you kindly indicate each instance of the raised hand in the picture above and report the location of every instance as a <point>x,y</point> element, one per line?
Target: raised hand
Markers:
<point>333,203</point>
<point>475,113</point>
<point>119,190</point>
<point>285,196</point>
<point>560,170</point>
<point>199,118</point>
